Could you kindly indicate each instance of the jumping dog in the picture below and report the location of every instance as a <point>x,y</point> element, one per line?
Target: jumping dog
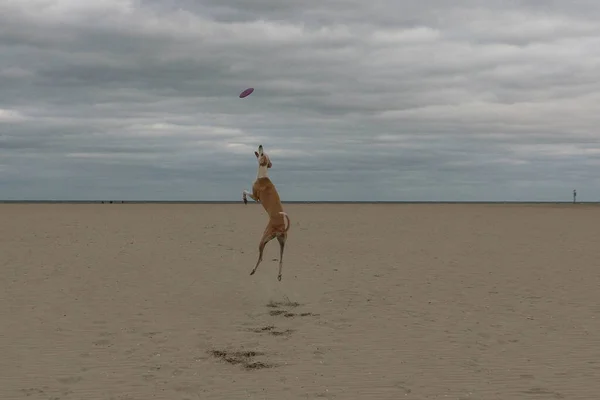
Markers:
<point>264,192</point>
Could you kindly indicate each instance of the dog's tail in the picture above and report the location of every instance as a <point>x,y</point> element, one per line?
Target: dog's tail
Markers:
<point>288,220</point>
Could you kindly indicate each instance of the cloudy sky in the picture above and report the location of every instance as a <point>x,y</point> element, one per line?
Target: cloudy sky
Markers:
<point>354,99</point>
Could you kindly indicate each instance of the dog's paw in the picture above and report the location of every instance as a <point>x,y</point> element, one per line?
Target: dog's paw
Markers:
<point>252,272</point>
<point>279,278</point>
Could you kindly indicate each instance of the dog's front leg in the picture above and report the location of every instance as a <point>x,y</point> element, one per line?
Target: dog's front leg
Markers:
<point>247,193</point>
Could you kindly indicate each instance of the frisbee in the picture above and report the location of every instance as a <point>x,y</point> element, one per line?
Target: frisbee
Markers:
<point>246,92</point>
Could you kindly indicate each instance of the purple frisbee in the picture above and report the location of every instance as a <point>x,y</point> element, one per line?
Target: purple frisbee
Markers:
<point>246,92</point>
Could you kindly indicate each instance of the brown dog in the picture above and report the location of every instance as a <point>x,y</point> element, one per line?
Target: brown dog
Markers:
<point>264,191</point>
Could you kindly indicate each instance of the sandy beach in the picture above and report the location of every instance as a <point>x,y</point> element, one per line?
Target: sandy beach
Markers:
<point>155,301</point>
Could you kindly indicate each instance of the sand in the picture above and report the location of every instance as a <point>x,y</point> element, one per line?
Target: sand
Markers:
<point>127,301</point>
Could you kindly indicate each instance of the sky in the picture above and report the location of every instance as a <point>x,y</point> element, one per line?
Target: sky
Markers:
<point>379,100</point>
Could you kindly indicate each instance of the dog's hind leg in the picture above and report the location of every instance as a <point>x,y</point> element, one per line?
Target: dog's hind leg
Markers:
<point>267,237</point>
<point>281,239</point>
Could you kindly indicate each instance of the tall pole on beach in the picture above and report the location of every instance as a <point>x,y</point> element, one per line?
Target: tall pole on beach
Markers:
<point>574,196</point>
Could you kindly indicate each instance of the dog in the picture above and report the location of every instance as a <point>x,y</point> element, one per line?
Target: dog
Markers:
<point>264,192</point>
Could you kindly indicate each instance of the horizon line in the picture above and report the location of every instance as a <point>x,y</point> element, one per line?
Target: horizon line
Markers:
<point>293,202</point>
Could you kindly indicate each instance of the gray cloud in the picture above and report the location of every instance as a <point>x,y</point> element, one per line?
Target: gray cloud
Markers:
<point>379,100</point>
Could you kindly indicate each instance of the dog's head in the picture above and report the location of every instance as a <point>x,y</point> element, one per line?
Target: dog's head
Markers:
<point>263,159</point>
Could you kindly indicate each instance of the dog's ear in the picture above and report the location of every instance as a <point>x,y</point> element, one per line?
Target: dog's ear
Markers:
<point>270,164</point>
<point>256,154</point>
